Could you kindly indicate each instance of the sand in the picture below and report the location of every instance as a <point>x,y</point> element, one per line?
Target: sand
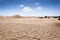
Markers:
<point>29,29</point>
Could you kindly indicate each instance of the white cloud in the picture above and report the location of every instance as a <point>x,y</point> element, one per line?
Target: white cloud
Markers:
<point>36,3</point>
<point>38,8</point>
<point>21,5</point>
<point>27,9</point>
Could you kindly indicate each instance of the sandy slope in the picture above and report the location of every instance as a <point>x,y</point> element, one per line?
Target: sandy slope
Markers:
<point>29,29</point>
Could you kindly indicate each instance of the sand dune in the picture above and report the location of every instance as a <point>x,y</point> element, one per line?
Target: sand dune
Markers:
<point>29,29</point>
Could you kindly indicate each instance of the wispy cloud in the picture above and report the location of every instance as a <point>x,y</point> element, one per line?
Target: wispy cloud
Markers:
<point>39,8</point>
<point>21,5</point>
<point>36,3</point>
<point>27,9</point>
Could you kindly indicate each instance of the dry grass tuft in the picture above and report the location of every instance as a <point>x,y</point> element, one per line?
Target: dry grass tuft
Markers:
<point>57,24</point>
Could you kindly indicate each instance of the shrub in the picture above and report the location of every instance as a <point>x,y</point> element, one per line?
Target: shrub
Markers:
<point>55,17</point>
<point>45,17</point>
<point>58,18</point>
<point>40,17</point>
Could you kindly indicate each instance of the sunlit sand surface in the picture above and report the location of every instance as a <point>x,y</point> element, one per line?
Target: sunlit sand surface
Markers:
<point>29,29</point>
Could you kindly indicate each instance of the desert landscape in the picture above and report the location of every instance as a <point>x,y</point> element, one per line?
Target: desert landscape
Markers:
<point>29,19</point>
<point>29,28</point>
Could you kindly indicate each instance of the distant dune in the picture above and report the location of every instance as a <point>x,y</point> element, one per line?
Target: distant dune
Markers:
<point>29,28</point>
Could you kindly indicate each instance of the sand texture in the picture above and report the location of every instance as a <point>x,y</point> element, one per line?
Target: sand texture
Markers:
<point>29,29</point>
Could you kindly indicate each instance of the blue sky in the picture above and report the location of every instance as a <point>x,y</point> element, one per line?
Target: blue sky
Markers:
<point>30,7</point>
